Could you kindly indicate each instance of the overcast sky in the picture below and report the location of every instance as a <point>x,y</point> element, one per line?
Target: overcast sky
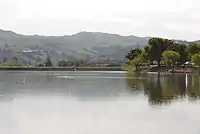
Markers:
<point>177,19</point>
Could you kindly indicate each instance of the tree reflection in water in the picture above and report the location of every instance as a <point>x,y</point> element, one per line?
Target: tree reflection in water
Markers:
<point>165,88</point>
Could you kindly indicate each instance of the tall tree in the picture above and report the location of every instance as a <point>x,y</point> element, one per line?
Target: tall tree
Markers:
<point>170,58</point>
<point>181,49</point>
<point>146,54</point>
<point>136,62</point>
<point>48,62</point>
<point>133,53</point>
<point>193,49</point>
<point>156,47</point>
<point>196,60</point>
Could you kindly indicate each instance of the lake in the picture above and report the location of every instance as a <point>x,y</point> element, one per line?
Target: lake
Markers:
<point>99,103</point>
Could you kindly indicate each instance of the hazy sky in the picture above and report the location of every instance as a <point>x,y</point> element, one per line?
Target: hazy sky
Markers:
<point>179,19</point>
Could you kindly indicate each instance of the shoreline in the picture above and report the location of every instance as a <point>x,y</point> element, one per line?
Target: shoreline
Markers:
<point>178,69</point>
<point>150,70</point>
<point>61,69</point>
<point>165,69</point>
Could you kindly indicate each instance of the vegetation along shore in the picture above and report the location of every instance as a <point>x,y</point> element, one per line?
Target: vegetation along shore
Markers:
<point>164,55</point>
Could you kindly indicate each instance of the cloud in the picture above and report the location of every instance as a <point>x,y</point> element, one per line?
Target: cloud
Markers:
<point>165,18</point>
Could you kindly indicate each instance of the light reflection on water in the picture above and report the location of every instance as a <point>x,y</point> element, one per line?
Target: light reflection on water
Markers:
<point>98,103</point>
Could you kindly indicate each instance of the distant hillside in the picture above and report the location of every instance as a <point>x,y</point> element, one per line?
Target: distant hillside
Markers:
<point>196,42</point>
<point>79,46</point>
<point>84,45</point>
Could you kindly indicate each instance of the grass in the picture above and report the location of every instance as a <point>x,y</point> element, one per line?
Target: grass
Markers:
<point>12,66</point>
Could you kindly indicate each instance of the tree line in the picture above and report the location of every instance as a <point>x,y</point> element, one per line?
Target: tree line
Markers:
<point>168,51</point>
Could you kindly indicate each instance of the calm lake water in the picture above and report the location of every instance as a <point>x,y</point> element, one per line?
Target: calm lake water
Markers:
<point>99,103</point>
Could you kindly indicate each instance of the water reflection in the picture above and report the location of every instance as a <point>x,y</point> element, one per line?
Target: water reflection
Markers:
<point>82,85</point>
<point>165,88</point>
<point>158,88</point>
<point>97,103</point>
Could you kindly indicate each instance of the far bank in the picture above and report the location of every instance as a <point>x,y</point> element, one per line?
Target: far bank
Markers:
<point>60,69</point>
<point>155,68</point>
<point>178,69</point>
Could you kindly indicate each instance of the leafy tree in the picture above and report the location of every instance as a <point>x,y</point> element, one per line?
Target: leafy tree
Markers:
<point>181,49</point>
<point>146,49</point>
<point>193,49</point>
<point>144,56</point>
<point>136,62</point>
<point>48,62</point>
<point>133,53</point>
<point>183,53</point>
<point>196,59</point>
<point>156,47</point>
<point>170,58</point>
